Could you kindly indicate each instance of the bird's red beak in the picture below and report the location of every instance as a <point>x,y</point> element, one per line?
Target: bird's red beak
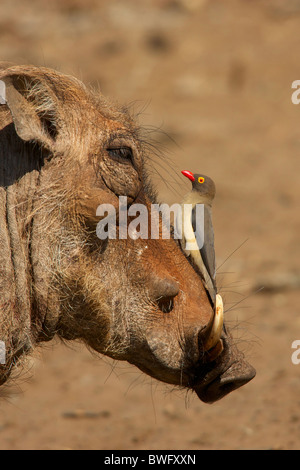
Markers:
<point>188,174</point>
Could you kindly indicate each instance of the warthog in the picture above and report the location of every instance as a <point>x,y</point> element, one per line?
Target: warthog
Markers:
<point>64,151</point>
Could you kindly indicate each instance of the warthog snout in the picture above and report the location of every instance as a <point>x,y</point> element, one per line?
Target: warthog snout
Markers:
<point>226,373</point>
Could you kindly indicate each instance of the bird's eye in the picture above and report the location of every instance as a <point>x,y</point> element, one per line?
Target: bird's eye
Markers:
<point>201,179</point>
<point>121,154</point>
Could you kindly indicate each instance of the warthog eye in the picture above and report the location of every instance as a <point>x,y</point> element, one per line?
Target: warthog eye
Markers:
<point>122,154</point>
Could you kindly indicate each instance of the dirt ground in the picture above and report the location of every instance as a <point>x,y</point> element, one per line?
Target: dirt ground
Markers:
<point>211,80</point>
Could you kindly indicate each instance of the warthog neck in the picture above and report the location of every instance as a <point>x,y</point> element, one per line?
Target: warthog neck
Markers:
<point>23,276</point>
<point>15,282</point>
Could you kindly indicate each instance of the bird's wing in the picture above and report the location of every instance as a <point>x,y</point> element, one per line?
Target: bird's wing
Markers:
<point>205,238</point>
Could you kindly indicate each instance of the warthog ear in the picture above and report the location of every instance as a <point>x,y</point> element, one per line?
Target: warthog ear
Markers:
<point>33,106</point>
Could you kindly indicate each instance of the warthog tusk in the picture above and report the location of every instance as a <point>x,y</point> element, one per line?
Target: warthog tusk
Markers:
<point>212,333</point>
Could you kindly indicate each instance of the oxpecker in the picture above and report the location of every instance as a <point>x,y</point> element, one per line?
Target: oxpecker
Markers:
<point>197,235</point>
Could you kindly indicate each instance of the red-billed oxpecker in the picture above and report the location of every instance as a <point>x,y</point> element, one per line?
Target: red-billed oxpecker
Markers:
<point>197,236</point>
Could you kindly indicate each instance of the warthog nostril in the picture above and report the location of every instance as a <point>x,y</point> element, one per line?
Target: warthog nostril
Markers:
<point>163,291</point>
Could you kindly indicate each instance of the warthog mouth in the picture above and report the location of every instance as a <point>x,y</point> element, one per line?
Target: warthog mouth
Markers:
<point>234,377</point>
<point>227,373</point>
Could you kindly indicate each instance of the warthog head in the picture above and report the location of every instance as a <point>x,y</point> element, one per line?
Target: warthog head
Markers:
<point>64,151</point>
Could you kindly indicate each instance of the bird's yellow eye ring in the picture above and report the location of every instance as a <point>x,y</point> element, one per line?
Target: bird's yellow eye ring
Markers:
<point>201,179</point>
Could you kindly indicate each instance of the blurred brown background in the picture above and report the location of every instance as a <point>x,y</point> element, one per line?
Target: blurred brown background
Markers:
<point>214,79</point>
